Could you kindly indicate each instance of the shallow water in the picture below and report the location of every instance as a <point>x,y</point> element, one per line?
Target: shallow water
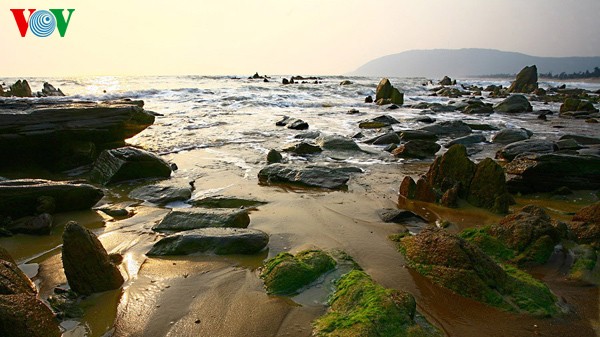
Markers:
<point>218,131</point>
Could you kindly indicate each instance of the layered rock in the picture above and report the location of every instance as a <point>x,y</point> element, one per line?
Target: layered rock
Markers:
<point>310,176</point>
<point>512,150</point>
<point>526,81</point>
<point>128,163</point>
<point>161,194</point>
<point>190,218</point>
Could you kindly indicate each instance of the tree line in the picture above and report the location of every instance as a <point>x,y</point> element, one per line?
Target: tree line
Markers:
<point>564,76</point>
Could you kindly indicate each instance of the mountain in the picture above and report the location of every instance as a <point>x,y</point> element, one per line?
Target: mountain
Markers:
<point>436,63</point>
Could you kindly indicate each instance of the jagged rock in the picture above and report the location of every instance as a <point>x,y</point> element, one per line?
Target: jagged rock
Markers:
<point>303,148</point>
<point>161,194</point>
<point>20,89</point>
<point>128,163</point>
<point>337,143</point>
<point>586,225</point>
<point>408,188</point>
<point>514,104</point>
<point>87,266</point>
<point>33,225</point>
<point>548,172</point>
<point>419,149</point>
<point>467,140</point>
<point>310,176</point>
<point>454,128</point>
<point>221,241</point>
<point>424,191</point>
<point>511,151</point>
<point>12,279</point>
<point>453,167</point>
<point>24,197</point>
<point>445,81</point>
<point>488,187</point>
<point>526,81</point>
<point>387,94</point>
<point>50,90</point>
<point>23,315</point>
<point>190,218</point>
<point>274,157</point>
<point>511,135</point>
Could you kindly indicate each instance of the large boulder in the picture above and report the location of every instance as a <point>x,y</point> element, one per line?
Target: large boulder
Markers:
<point>464,268</point>
<point>32,196</point>
<point>87,265</point>
<point>193,218</point>
<point>161,194</point>
<point>548,172</point>
<point>526,81</point>
<point>514,104</point>
<point>23,315</point>
<point>418,149</point>
<point>511,151</point>
<point>221,241</point>
<point>309,176</point>
<point>387,94</point>
<point>586,225</point>
<point>286,274</point>
<point>488,187</point>
<point>573,107</point>
<point>511,135</point>
<point>128,163</point>
<point>20,89</point>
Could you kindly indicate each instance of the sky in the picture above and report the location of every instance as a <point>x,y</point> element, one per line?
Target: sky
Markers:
<point>318,37</point>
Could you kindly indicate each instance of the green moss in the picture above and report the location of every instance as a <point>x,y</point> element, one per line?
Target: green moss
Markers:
<point>585,261</point>
<point>528,294</point>
<point>539,252</point>
<point>285,273</point>
<point>360,307</point>
<point>489,244</point>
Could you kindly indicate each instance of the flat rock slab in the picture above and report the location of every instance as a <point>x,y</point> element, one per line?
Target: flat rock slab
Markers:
<point>128,163</point>
<point>309,176</point>
<point>225,202</point>
<point>161,194</point>
<point>511,151</point>
<point>220,241</point>
<point>24,197</point>
<point>190,218</point>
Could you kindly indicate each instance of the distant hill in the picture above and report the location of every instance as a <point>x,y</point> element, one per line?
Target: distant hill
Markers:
<point>436,63</point>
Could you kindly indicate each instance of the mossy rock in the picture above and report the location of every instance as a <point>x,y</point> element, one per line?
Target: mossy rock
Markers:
<point>585,260</point>
<point>487,185</point>
<point>286,274</point>
<point>360,307</point>
<point>453,167</point>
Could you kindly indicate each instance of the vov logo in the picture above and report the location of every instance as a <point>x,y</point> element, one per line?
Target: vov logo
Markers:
<point>42,23</point>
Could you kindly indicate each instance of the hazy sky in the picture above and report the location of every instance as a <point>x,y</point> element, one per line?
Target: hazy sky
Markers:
<point>126,37</point>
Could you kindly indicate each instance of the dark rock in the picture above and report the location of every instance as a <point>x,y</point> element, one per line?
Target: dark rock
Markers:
<point>407,135</point>
<point>388,138</point>
<point>574,104</point>
<point>219,201</point>
<point>191,218</point>
<point>23,315</point>
<point>285,81</point>
<point>378,122</point>
<point>426,120</point>
<point>369,99</point>
<point>586,225</point>
<point>308,135</point>
<point>298,124</point>
<point>303,148</point>
<point>87,265</point>
<point>50,90</point>
<point>451,92</point>
<point>445,81</point>
<point>467,140</point>
<point>419,149</point>
<point>453,167</point>
<point>353,112</point>
<point>274,157</point>
<point>395,215</point>
<point>508,136</point>
<point>12,279</point>
<point>547,172</point>
<point>487,185</point>
<point>526,81</point>
<point>284,121</point>
<point>346,82</point>
<point>476,106</point>
<point>454,128</point>
<point>390,148</point>
<point>408,188</point>
<point>128,163</point>
<point>220,241</point>
<point>24,197</point>
<point>514,104</point>
<point>33,225</point>
<point>450,197</point>
<point>161,194</point>
<point>337,143</point>
<point>568,144</point>
<point>424,191</point>
<point>387,94</point>
<point>583,140</point>
<point>20,89</point>
<point>393,107</point>
<point>482,127</point>
<point>310,176</point>
<point>510,151</point>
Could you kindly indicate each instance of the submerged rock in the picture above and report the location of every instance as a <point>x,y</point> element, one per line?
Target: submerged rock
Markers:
<point>297,124</point>
<point>191,218</point>
<point>161,194</point>
<point>87,265</point>
<point>309,176</point>
<point>221,241</point>
<point>23,315</point>
<point>128,163</point>
<point>514,104</point>
<point>526,81</point>
<point>285,274</point>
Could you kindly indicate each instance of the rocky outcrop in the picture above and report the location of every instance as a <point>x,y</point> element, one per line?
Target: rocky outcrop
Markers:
<point>577,108</point>
<point>387,94</point>
<point>24,197</point>
<point>87,265</point>
<point>309,176</point>
<point>23,315</point>
<point>526,81</point>
<point>586,225</point>
<point>221,241</point>
<point>514,104</point>
<point>192,218</point>
<point>286,274</point>
<point>487,188</point>
<point>547,172</point>
<point>128,163</point>
<point>446,81</point>
<point>50,90</point>
<point>161,194</point>
<point>20,89</point>
<point>13,280</point>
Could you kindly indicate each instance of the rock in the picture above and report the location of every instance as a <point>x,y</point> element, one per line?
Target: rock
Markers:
<point>225,202</point>
<point>407,135</point>
<point>418,149</point>
<point>128,163</point>
<point>454,128</point>
<point>584,263</point>
<point>574,104</point>
<point>303,148</point>
<point>24,197</point>
<point>50,90</point>
<point>453,167</point>
<point>462,267</point>
<point>286,274</point>
<point>393,107</point>
<point>298,124</point>
<point>310,176</point>
<point>87,265</point>
<point>526,81</point>
<point>283,122</point>
<point>450,197</point>
<point>568,144</point>
<point>445,81</point>
<point>285,81</point>
<point>451,92</point>
<point>46,131</point>
<point>378,122</point>
<point>116,210</point>
<point>510,151</point>
<point>337,143</point>
<point>390,148</point>
<point>424,191</point>
<point>583,140</point>
<point>387,94</point>
<point>467,140</point>
<point>586,225</point>
<point>190,218</point>
<point>548,172</point>
<point>33,225</point>
<point>274,157</point>
<point>346,82</point>
<point>12,279</point>
<point>482,127</point>
<point>20,89</point>
<point>511,135</point>
<point>514,104</point>
<point>426,120</point>
<point>308,135</point>
<point>408,188</point>
<point>23,315</point>
<point>360,307</point>
<point>395,215</point>
<point>388,138</point>
<point>220,241</point>
<point>488,187</point>
<point>369,99</point>
<point>161,194</point>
